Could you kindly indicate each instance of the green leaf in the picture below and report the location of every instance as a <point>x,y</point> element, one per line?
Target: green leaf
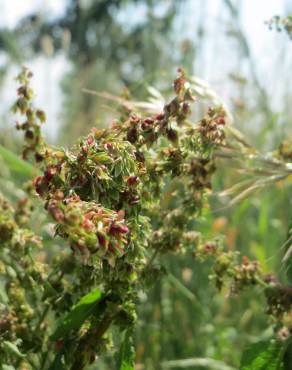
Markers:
<point>12,348</point>
<point>118,168</point>
<point>78,314</point>
<point>7,367</point>
<point>265,355</point>
<point>15,164</point>
<point>127,352</point>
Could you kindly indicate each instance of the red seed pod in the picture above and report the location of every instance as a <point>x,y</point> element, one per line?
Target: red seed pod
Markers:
<point>220,121</point>
<point>118,229</point>
<point>29,134</point>
<point>84,149</point>
<point>152,137</point>
<point>134,119</point>
<point>87,224</point>
<point>179,84</point>
<point>148,121</point>
<point>139,156</point>
<point>22,90</point>
<point>50,172</point>
<point>160,116</point>
<point>82,179</point>
<point>38,157</point>
<point>102,240</point>
<point>81,157</point>
<point>41,115</point>
<point>172,107</point>
<point>132,135</point>
<point>132,180</point>
<point>172,135</point>
<point>25,125</point>
<point>181,71</point>
<point>40,184</point>
<point>90,140</point>
<point>59,344</point>
<point>108,146</point>
<point>186,108</point>
<point>111,248</point>
<point>124,229</point>
<point>38,180</point>
<point>210,248</point>
<point>56,212</point>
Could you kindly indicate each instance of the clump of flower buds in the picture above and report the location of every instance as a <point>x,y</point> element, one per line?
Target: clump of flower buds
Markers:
<point>33,118</point>
<point>281,23</point>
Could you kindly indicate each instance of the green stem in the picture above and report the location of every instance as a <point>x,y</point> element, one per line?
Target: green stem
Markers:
<point>101,329</point>
<point>42,318</point>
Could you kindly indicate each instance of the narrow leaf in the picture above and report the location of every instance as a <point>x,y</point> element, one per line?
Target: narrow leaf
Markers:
<point>127,352</point>
<point>12,348</point>
<point>78,314</point>
<point>15,164</point>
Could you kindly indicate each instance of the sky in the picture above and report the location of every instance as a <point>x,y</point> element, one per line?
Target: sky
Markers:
<point>49,71</point>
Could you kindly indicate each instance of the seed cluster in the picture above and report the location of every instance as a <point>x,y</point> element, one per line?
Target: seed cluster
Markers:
<point>238,275</point>
<point>118,199</point>
<point>33,118</point>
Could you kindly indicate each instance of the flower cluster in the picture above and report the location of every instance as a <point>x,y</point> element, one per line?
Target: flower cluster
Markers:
<point>20,275</point>
<point>227,270</point>
<point>89,227</point>
<point>116,199</point>
<point>31,125</point>
<point>281,23</point>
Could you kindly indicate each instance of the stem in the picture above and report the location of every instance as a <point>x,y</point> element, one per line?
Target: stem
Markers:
<point>152,258</point>
<point>262,283</point>
<point>101,329</point>
<point>42,318</point>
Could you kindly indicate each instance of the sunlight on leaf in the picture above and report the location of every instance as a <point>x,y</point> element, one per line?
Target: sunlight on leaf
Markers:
<point>79,313</point>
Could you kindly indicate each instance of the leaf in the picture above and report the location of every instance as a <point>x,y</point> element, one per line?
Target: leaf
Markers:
<point>118,168</point>
<point>12,348</point>
<point>127,352</point>
<point>16,164</point>
<point>194,363</point>
<point>265,355</point>
<point>7,367</point>
<point>78,314</point>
